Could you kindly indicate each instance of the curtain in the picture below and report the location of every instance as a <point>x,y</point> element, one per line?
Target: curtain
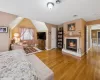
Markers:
<point>27,34</point>
<point>23,30</point>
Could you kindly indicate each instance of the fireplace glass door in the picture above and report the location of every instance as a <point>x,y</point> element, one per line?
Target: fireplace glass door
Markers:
<point>71,44</point>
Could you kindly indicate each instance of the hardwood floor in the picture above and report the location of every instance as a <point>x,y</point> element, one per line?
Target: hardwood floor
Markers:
<point>67,67</point>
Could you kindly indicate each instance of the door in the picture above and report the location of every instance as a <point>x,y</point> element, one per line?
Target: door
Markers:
<point>87,37</point>
<point>53,37</point>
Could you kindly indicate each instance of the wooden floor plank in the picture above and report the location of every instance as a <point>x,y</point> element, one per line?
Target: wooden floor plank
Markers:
<point>66,67</point>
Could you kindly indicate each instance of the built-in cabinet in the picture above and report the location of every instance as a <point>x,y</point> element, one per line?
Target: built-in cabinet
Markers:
<point>41,44</point>
<point>60,37</point>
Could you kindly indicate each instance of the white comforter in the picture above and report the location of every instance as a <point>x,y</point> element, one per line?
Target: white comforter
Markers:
<point>15,66</point>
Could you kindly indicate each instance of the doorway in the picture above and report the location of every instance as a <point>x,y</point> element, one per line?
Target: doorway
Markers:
<point>53,37</point>
<point>92,36</point>
<point>98,36</point>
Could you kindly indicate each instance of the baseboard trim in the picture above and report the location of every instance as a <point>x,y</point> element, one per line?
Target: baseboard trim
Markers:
<point>50,48</point>
<point>88,50</point>
<point>72,53</point>
<point>47,49</point>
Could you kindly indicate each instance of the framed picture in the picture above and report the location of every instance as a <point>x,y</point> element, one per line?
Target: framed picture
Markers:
<point>3,29</point>
<point>71,27</point>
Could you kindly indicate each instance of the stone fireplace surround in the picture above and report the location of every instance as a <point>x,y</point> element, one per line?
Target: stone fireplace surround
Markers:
<point>76,53</point>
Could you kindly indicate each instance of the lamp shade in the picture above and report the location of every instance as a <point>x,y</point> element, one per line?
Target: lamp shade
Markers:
<point>16,34</point>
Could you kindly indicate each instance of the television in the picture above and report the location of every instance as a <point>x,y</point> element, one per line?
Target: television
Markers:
<point>41,35</point>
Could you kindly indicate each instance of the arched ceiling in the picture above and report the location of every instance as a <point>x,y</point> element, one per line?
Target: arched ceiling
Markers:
<point>37,10</point>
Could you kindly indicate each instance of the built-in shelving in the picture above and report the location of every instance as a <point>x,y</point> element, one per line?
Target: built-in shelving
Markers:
<point>60,37</point>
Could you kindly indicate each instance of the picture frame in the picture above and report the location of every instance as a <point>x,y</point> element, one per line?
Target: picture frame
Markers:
<point>71,27</point>
<point>3,29</point>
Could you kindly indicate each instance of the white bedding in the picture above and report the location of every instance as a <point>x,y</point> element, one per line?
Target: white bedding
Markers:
<point>15,66</point>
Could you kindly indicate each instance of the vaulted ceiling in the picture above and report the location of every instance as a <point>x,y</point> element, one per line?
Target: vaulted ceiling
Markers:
<point>37,10</point>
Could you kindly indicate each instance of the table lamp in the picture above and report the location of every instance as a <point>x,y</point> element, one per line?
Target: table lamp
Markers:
<point>16,35</point>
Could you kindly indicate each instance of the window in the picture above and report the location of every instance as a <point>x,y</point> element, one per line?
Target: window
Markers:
<point>26,34</point>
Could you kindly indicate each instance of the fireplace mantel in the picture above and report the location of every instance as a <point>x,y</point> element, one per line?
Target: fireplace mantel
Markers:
<point>78,33</point>
<point>73,36</point>
<point>76,53</point>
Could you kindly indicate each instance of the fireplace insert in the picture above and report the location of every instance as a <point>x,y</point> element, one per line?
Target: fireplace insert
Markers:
<point>71,44</point>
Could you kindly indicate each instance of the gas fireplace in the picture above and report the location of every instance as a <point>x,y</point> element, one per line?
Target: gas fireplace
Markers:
<point>71,44</point>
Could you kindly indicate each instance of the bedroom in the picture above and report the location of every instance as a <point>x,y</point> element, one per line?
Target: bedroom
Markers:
<point>66,50</point>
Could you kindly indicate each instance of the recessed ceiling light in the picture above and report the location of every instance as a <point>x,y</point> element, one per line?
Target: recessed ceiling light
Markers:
<point>75,15</point>
<point>50,5</point>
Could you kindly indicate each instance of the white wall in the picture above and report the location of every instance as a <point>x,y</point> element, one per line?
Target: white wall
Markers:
<point>5,20</point>
<point>95,27</point>
<point>40,26</point>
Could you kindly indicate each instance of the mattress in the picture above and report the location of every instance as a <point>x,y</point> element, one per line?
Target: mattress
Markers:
<point>43,72</point>
<point>15,66</point>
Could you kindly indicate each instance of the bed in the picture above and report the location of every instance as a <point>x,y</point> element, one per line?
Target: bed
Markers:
<point>16,65</point>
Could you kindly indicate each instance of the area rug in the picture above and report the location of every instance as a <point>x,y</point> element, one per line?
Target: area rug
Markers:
<point>30,50</point>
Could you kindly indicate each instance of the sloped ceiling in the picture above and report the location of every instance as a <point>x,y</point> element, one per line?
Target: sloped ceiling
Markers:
<point>15,22</point>
<point>37,10</point>
<point>40,26</point>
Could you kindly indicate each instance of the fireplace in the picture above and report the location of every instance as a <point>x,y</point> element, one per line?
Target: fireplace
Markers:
<point>71,44</point>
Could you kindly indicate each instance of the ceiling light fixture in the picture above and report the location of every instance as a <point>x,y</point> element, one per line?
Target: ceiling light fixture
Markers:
<point>58,1</point>
<point>50,5</point>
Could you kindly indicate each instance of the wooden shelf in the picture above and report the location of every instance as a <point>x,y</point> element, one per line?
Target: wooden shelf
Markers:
<point>60,37</point>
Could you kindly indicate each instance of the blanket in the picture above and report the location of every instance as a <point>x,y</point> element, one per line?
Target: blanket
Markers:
<point>15,66</point>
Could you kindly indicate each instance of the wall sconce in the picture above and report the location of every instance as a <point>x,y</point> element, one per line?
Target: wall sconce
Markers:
<point>49,33</point>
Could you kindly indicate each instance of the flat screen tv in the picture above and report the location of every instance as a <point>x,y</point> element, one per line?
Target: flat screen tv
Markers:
<point>41,35</point>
